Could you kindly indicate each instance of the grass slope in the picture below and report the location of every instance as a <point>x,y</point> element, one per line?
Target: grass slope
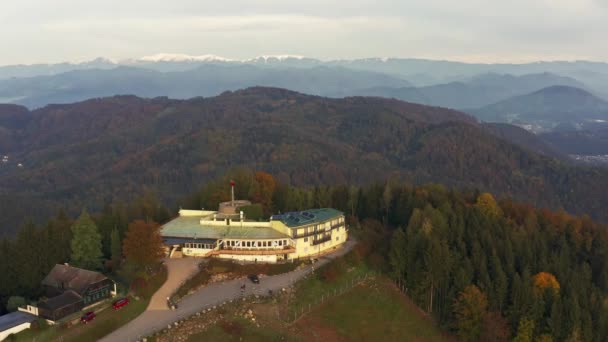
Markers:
<point>370,311</point>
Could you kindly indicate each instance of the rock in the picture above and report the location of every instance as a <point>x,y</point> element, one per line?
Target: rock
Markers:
<point>169,326</point>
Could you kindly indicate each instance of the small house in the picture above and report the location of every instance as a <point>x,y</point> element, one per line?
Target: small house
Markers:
<point>70,289</point>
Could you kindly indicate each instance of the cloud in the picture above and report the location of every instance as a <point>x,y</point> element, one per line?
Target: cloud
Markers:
<point>474,30</point>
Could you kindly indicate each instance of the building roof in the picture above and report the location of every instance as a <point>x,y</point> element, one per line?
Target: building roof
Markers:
<point>190,227</point>
<point>14,319</point>
<point>74,278</point>
<point>67,298</point>
<point>307,217</point>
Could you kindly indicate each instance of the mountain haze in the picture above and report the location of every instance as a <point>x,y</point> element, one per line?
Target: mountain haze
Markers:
<point>476,92</point>
<point>548,107</point>
<point>205,80</point>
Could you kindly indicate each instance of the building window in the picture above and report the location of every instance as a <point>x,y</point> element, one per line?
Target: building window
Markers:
<point>305,239</point>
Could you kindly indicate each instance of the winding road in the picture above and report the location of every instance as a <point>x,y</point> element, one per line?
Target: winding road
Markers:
<point>158,316</point>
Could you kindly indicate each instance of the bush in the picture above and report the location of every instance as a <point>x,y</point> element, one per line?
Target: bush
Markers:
<point>14,302</point>
<point>253,212</point>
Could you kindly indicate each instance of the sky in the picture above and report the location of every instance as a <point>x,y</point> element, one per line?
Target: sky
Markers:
<point>43,31</point>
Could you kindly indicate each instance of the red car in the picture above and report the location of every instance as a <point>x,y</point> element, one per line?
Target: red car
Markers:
<point>87,317</point>
<point>120,303</point>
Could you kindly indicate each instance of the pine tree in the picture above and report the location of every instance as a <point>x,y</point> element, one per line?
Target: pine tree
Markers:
<point>398,254</point>
<point>86,243</point>
<point>116,249</point>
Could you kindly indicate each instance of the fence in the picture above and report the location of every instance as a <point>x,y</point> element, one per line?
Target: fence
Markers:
<point>304,309</point>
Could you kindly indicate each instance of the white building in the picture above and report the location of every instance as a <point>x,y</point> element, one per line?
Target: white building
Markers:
<point>227,233</point>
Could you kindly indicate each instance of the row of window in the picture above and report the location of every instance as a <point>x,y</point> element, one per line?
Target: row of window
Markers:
<point>316,230</point>
<point>337,238</point>
<point>199,245</point>
<point>274,243</point>
<point>94,296</point>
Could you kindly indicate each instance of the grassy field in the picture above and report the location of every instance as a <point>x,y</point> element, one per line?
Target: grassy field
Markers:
<point>336,276</point>
<point>374,310</point>
<point>241,330</point>
<point>106,321</point>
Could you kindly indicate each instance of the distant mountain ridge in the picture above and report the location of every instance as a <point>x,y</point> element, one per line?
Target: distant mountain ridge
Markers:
<point>548,108</point>
<point>420,72</point>
<point>94,151</point>
<point>478,91</point>
<point>205,80</point>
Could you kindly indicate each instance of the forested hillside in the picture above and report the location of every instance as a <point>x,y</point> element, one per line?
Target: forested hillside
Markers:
<point>483,269</point>
<point>101,150</point>
<point>486,270</point>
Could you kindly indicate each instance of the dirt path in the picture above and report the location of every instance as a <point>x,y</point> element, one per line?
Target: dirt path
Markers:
<point>178,271</point>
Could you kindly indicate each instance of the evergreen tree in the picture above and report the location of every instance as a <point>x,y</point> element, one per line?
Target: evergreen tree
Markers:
<point>116,249</point>
<point>398,254</point>
<point>86,243</point>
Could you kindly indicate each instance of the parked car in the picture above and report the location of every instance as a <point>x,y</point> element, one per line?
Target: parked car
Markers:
<point>87,317</point>
<point>254,278</point>
<point>120,303</point>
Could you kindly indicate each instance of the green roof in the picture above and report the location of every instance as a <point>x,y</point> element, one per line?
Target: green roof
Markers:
<point>307,217</point>
<point>190,227</point>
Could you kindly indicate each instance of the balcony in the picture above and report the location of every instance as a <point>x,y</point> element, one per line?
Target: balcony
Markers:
<point>321,240</point>
<point>316,232</point>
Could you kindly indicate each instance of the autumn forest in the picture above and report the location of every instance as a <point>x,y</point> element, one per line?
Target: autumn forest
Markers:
<point>484,268</point>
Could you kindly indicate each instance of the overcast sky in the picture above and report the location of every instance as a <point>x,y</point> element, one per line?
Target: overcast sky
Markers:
<point>34,31</point>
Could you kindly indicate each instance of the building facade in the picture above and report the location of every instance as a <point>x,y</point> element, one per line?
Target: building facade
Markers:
<point>227,233</point>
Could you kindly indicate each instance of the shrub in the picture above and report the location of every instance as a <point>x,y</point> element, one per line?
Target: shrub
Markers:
<point>253,212</point>
<point>14,302</point>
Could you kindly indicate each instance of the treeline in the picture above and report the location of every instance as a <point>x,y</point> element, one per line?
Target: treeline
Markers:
<point>28,258</point>
<point>483,269</point>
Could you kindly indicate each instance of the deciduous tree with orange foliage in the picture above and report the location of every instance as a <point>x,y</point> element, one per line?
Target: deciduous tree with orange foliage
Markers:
<point>263,190</point>
<point>545,280</point>
<point>143,244</point>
